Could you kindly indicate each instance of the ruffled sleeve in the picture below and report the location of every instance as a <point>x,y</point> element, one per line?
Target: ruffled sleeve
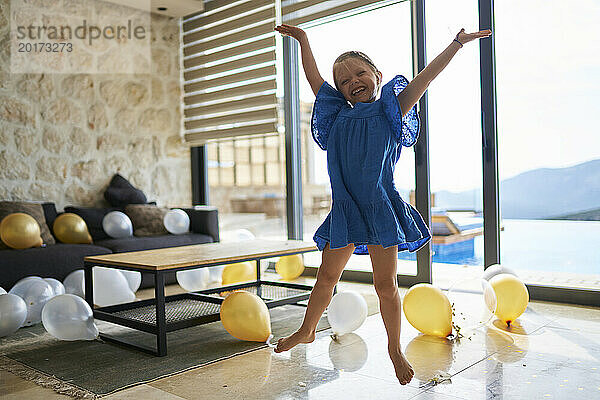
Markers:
<point>327,105</point>
<point>405,129</point>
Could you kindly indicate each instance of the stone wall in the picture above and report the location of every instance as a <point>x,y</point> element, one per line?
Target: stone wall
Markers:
<point>63,136</point>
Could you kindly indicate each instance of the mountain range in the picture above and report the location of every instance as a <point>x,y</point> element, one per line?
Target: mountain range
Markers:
<point>544,193</point>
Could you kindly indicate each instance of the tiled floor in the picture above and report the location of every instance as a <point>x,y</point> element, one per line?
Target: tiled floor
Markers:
<point>552,351</point>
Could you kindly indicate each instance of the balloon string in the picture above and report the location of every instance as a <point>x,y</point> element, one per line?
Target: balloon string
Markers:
<point>268,342</point>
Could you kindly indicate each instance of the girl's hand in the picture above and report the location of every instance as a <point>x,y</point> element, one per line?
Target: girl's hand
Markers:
<point>463,37</point>
<point>293,31</point>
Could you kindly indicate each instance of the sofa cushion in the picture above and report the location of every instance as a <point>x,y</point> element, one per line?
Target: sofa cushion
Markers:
<point>53,261</point>
<point>50,213</point>
<point>34,209</point>
<point>147,219</point>
<point>133,243</point>
<point>93,218</point>
<point>120,193</point>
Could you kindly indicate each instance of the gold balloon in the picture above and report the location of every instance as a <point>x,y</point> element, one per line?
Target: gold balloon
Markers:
<point>428,310</point>
<point>20,231</point>
<point>246,317</point>
<point>71,228</point>
<point>429,356</point>
<point>239,272</point>
<point>512,295</point>
<point>290,267</point>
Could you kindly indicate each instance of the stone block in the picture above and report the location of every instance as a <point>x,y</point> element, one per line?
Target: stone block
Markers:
<point>79,86</point>
<point>62,111</point>
<point>118,94</point>
<point>97,118</point>
<point>13,167</point>
<point>17,111</point>
<point>54,140</point>
<point>27,141</point>
<point>81,142</point>
<point>89,172</point>
<point>51,169</point>
<point>155,120</point>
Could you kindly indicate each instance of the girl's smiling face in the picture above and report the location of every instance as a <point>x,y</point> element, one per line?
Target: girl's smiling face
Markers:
<point>356,80</point>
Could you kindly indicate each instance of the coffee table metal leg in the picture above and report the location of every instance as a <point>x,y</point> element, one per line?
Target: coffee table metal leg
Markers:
<point>258,288</point>
<point>161,324</point>
<point>89,286</point>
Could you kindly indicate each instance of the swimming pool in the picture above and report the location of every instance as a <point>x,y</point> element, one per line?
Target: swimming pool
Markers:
<point>543,245</point>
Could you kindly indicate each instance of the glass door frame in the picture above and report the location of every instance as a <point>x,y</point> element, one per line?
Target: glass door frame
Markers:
<point>491,204</point>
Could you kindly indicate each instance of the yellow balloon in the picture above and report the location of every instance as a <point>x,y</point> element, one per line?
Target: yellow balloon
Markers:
<point>20,231</point>
<point>512,295</point>
<point>239,272</point>
<point>428,310</point>
<point>71,228</point>
<point>246,316</point>
<point>290,267</point>
<point>429,356</point>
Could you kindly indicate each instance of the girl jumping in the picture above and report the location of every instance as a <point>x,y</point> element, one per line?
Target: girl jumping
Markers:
<point>363,138</point>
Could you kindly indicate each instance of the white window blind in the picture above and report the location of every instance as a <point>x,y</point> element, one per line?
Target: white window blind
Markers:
<point>229,70</point>
<point>298,12</point>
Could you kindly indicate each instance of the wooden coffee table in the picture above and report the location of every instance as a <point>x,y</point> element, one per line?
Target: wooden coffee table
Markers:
<point>169,313</point>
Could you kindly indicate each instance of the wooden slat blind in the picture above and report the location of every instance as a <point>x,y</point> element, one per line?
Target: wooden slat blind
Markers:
<point>229,70</point>
<point>297,12</point>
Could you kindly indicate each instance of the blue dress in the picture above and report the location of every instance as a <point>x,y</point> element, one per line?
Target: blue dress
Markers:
<point>363,144</point>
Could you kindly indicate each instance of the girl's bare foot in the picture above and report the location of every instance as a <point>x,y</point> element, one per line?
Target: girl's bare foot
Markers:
<point>404,371</point>
<point>284,344</point>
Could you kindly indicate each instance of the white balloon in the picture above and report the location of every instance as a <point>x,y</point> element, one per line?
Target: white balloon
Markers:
<point>497,269</point>
<point>473,303</point>
<point>57,287</point>
<point>13,313</point>
<point>111,287</point>
<point>215,274</point>
<point>75,283</point>
<point>213,284</point>
<point>2,291</point>
<point>134,279</point>
<point>236,235</point>
<point>177,221</point>
<point>244,234</point>
<point>346,312</point>
<point>349,352</point>
<point>69,317</point>
<point>22,285</point>
<point>36,294</point>
<point>264,266</point>
<point>27,278</point>
<point>193,279</point>
<point>117,225</point>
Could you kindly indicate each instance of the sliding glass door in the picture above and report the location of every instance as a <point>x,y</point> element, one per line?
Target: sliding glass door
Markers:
<point>388,44</point>
<point>548,85</point>
<point>454,112</point>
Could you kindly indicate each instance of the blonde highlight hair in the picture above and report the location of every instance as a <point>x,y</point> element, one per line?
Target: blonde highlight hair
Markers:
<point>353,54</point>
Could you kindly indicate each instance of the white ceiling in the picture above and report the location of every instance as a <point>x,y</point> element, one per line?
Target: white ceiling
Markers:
<point>174,8</point>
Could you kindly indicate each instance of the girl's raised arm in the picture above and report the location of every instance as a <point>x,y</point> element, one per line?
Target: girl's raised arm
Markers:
<point>308,61</point>
<point>415,89</point>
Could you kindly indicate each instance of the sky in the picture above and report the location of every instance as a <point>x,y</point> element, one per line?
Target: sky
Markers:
<point>548,84</point>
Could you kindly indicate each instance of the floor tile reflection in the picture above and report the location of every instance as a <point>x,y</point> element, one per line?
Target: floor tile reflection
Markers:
<point>551,351</point>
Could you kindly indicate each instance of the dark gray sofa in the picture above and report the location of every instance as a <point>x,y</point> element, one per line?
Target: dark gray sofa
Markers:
<point>60,259</point>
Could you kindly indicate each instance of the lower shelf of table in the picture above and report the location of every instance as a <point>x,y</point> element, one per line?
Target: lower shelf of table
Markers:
<point>195,308</point>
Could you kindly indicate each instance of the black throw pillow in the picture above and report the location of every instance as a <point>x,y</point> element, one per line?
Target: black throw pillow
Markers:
<point>121,193</point>
<point>119,182</point>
